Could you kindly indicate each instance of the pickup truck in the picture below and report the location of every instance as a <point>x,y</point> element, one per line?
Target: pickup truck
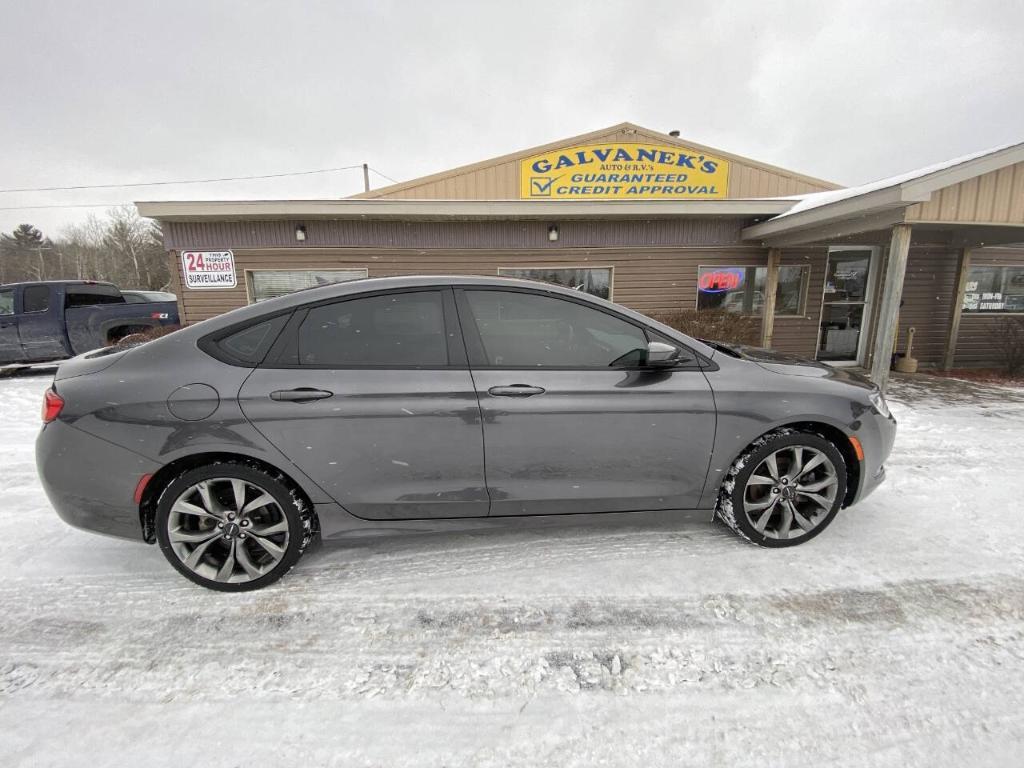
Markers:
<point>52,320</point>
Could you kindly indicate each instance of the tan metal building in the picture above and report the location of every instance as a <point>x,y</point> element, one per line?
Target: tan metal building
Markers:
<point>659,224</point>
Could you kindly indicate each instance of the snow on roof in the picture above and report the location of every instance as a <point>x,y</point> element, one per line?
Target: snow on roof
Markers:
<point>818,199</point>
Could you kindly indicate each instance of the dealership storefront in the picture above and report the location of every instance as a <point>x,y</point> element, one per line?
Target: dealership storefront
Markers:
<point>658,224</point>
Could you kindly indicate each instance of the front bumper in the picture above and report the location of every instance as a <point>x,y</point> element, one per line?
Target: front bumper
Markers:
<point>877,435</point>
<point>89,481</point>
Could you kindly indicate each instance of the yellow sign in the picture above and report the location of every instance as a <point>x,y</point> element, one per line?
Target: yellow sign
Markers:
<point>623,172</point>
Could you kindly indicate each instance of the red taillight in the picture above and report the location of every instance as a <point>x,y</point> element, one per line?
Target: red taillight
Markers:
<point>52,405</point>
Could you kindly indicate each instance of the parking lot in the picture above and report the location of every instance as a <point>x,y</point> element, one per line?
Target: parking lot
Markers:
<point>895,638</point>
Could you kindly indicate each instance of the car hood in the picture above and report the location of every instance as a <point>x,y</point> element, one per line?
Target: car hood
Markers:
<point>793,365</point>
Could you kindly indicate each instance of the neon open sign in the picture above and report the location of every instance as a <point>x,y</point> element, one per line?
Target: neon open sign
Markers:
<point>720,280</point>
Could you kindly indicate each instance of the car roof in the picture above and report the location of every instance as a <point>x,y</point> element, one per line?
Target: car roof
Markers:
<point>57,282</point>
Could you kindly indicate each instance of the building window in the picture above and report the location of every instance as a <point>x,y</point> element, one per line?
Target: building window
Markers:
<point>994,289</point>
<point>269,283</point>
<point>741,289</point>
<point>597,281</point>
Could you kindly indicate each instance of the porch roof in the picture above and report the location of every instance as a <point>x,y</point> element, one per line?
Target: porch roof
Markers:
<point>878,204</point>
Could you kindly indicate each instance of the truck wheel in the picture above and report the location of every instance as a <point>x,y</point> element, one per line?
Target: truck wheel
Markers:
<point>114,335</point>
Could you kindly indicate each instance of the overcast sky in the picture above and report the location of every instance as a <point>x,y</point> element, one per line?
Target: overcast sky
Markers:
<point>96,92</point>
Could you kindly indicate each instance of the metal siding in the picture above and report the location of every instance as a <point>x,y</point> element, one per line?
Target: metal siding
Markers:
<point>949,203</point>
<point>449,234</point>
<point>929,288</point>
<point>1016,202</point>
<point>474,182</point>
<point>985,208</point>
<point>996,197</point>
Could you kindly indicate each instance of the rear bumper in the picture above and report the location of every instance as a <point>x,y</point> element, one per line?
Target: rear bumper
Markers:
<point>90,482</point>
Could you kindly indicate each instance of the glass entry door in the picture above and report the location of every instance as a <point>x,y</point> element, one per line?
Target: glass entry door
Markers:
<point>845,308</point>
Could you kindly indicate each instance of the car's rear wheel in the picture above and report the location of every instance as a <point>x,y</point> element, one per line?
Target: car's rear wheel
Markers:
<point>784,490</point>
<point>232,526</point>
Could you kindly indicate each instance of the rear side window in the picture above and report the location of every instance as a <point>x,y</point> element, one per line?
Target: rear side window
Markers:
<point>36,298</point>
<point>7,301</point>
<point>520,330</point>
<point>398,329</point>
<point>250,345</point>
<point>90,295</point>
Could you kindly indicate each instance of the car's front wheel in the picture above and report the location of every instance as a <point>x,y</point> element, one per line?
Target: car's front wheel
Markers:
<point>232,526</point>
<point>784,490</point>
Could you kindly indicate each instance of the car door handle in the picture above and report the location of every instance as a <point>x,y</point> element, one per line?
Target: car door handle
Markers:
<point>516,390</point>
<point>300,395</point>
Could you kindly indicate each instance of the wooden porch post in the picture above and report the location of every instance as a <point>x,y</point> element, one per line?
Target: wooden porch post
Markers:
<point>958,301</point>
<point>892,294</point>
<point>771,287</point>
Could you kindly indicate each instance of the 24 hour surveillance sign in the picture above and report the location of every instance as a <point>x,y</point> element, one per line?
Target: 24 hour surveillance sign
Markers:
<point>617,171</point>
<point>208,269</point>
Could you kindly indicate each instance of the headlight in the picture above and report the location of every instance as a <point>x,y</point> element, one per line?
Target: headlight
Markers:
<point>878,400</point>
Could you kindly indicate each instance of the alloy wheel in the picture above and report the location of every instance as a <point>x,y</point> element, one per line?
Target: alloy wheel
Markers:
<point>228,530</point>
<point>791,492</point>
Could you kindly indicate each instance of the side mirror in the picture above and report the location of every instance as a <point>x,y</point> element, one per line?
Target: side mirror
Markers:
<point>661,355</point>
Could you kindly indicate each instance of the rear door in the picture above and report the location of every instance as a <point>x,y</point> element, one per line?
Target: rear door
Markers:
<point>10,345</point>
<point>573,420</point>
<point>371,397</point>
<point>40,323</point>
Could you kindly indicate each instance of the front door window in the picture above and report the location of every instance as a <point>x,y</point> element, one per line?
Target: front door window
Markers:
<point>844,312</point>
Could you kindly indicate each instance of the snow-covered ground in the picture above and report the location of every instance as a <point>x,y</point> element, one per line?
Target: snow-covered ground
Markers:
<point>894,639</point>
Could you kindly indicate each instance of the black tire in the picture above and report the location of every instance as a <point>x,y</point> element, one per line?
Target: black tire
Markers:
<point>732,496</point>
<point>292,506</point>
<point>116,334</point>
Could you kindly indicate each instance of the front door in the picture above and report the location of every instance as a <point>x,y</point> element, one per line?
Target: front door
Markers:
<point>846,305</point>
<point>39,324</point>
<point>371,398</point>
<point>573,421</point>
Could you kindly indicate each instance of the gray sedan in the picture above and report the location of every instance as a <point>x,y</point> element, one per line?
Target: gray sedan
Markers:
<point>423,403</point>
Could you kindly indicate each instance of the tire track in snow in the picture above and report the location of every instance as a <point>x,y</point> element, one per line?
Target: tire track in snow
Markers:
<point>312,646</point>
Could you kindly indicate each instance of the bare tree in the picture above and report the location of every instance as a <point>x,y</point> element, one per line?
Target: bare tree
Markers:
<point>120,247</point>
<point>138,241</point>
<point>82,244</point>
